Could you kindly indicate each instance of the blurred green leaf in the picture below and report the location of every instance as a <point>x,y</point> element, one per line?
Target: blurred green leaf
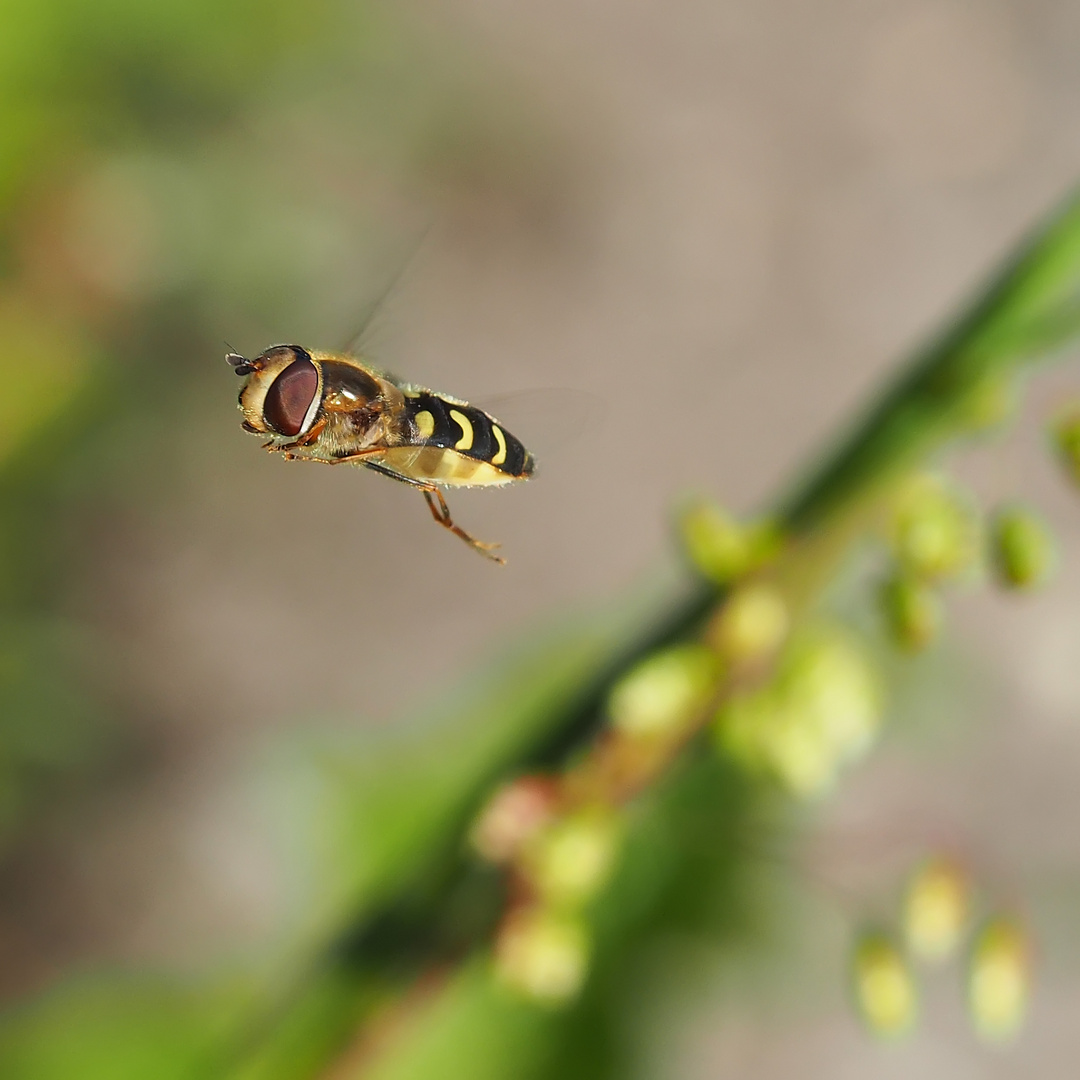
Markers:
<point>127,1028</point>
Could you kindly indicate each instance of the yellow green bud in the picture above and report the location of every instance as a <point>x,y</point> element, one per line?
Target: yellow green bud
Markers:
<point>799,753</point>
<point>1023,548</point>
<point>999,980</point>
<point>992,400</point>
<point>718,545</point>
<point>1066,438</point>
<point>542,955</point>
<point>744,727</point>
<point>752,623</point>
<point>936,909</point>
<point>665,692</point>
<point>569,862</point>
<point>935,530</point>
<point>912,611</point>
<point>884,987</point>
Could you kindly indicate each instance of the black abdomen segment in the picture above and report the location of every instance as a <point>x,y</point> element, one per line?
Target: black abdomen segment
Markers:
<point>452,425</point>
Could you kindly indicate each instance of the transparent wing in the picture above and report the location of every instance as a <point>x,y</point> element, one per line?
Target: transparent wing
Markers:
<point>373,315</point>
<point>551,421</point>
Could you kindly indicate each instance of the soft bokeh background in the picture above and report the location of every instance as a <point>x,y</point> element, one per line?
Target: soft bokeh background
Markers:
<point>712,228</point>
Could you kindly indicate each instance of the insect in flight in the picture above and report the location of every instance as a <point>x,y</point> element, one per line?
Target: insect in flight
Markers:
<point>330,407</point>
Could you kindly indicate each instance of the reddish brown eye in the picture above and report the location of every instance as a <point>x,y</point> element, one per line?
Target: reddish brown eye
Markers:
<point>290,396</point>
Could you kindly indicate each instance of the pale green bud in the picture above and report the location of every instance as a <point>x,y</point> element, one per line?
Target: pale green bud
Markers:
<point>937,908</point>
<point>912,611</point>
<point>569,862</point>
<point>542,955</point>
<point>1065,434</point>
<point>720,546</point>
<point>935,530</point>
<point>999,980</point>
<point>664,693</point>
<point>884,987</point>
<point>1022,547</point>
<point>992,400</point>
<point>752,624</point>
<point>717,544</point>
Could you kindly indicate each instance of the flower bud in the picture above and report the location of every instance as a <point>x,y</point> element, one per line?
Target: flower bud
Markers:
<point>752,624</point>
<point>721,547</point>
<point>912,611</point>
<point>1066,438</point>
<point>569,862</point>
<point>1023,548</point>
<point>935,531</point>
<point>992,400</point>
<point>513,815</point>
<point>716,543</point>
<point>999,980</point>
<point>542,956</point>
<point>663,693</point>
<point>884,987</point>
<point>936,909</point>
<point>798,752</point>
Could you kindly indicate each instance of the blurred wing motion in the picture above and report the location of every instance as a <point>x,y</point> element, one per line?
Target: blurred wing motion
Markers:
<point>554,420</point>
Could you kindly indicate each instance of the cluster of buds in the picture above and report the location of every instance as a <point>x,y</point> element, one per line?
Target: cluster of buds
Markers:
<point>559,838</point>
<point>559,858</point>
<point>937,922</point>
<point>934,536</point>
<point>820,712</point>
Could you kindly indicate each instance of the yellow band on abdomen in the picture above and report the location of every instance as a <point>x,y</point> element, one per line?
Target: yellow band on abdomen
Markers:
<point>463,422</point>
<point>500,438</point>
<point>425,424</point>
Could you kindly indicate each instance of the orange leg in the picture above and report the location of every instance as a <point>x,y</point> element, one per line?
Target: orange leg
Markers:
<point>306,439</point>
<point>358,456</point>
<point>441,513</point>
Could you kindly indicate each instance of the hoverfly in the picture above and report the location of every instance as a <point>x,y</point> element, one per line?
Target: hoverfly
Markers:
<point>330,407</point>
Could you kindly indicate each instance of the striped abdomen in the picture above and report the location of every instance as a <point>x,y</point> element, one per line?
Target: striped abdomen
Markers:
<point>454,425</point>
<point>455,444</point>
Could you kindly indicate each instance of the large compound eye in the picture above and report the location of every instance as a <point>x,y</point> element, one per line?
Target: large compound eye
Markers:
<point>290,396</point>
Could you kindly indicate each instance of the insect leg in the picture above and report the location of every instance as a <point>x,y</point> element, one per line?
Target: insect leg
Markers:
<point>308,437</point>
<point>360,455</point>
<point>305,440</point>
<point>441,513</point>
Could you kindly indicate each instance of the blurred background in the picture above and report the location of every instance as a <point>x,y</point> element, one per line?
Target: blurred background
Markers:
<point>232,690</point>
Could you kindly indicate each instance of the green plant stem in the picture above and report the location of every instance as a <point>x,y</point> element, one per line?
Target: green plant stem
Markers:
<point>1029,310</point>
